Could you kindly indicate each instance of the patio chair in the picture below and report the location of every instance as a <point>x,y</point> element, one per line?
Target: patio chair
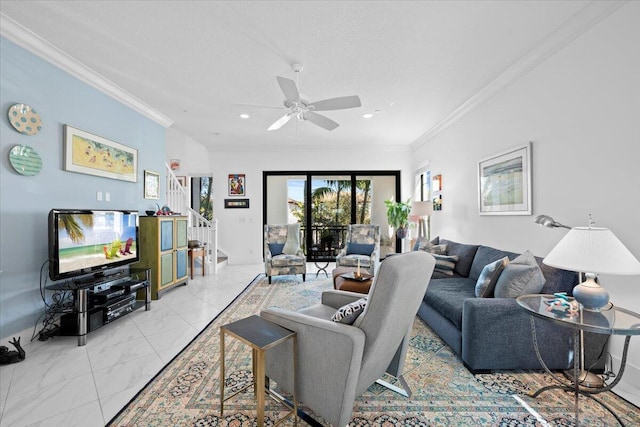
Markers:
<point>362,245</point>
<point>282,252</point>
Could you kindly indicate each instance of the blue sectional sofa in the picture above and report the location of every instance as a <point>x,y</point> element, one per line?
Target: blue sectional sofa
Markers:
<point>495,333</point>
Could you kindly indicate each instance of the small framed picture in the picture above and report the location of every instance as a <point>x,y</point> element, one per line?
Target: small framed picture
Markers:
<point>236,203</point>
<point>151,185</point>
<point>237,184</point>
<point>182,180</point>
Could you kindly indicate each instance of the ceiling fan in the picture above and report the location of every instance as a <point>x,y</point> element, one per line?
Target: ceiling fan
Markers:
<point>302,109</point>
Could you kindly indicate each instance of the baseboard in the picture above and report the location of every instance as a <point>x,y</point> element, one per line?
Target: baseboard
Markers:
<point>628,387</point>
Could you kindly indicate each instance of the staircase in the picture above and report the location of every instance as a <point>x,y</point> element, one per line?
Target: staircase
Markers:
<point>199,228</point>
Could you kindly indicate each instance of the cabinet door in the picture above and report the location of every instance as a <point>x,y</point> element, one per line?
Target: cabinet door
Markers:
<point>166,235</point>
<point>181,233</point>
<point>181,264</point>
<point>166,269</point>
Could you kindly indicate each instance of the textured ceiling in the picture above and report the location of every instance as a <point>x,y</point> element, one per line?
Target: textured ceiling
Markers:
<point>414,62</point>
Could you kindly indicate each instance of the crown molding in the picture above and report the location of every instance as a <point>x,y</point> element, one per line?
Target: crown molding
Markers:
<point>585,19</point>
<point>25,38</point>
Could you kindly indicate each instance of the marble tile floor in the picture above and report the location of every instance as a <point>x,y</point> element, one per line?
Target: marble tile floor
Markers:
<point>62,384</point>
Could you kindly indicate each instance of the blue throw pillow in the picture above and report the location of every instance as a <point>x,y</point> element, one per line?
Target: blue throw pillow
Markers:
<point>276,248</point>
<point>360,248</point>
<point>489,277</point>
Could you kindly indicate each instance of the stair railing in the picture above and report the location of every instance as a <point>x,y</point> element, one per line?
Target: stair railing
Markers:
<point>199,228</point>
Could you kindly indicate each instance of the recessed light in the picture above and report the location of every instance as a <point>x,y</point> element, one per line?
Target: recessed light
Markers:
<point>367,115</point>
<point>244,116</point>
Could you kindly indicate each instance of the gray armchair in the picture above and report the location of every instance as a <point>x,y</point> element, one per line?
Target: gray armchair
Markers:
<point>337,362</point>
<point>282,252</point>
<point>362,244</point>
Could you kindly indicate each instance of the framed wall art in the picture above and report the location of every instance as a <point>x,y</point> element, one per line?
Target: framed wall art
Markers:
<point>151,185</point>
<point>94,155</point>
<point>182,180</point>
<point>504,183</point>
<point>236,203</point>
<point>237,184</point>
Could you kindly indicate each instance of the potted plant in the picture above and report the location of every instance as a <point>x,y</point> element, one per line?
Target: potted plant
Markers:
<point>398,216</point>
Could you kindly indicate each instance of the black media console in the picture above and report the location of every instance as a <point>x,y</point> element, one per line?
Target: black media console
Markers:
<point>103,299</point>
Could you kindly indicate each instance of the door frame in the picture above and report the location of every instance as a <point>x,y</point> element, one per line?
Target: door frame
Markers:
<point>309,174</point>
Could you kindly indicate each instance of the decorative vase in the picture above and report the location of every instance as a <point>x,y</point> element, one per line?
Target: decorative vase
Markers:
<point>401,232</point>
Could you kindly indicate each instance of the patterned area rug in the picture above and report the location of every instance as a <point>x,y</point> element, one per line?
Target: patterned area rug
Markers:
<point>445,393</point>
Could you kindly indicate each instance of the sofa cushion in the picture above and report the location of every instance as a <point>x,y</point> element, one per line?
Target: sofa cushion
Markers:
<point>557,280</point>
<point>423,244</point>
<point>489,276</point>
<point>521,276</point>
<point>486,255</point>
<point>349,313</point>
<point>445,263</point>
<point>284,260</point>
<point>466,253</point>
<point>446,296</point>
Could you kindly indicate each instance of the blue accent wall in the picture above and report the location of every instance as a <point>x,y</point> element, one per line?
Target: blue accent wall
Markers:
<point>25,201</point>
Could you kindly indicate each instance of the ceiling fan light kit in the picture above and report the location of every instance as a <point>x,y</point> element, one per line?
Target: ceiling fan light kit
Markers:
<point>304,110</point>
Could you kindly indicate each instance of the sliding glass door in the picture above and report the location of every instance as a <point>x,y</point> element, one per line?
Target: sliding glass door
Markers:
<point>325,203</point>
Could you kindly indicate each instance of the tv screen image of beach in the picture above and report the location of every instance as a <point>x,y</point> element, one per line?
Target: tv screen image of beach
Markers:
<point>89,240</point>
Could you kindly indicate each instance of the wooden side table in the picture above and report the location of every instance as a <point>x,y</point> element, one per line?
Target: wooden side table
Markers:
<point>193,253</point>
<point>261,335</point>
<point>344,281</point>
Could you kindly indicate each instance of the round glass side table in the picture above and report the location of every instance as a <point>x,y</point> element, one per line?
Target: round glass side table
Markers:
<point>610,321</point>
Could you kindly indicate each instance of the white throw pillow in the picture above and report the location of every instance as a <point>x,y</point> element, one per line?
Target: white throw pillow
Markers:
<point>292,244</point>
<point>348,313</point>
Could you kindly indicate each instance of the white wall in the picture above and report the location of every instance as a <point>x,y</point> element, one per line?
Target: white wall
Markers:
<point>241,229</point>
<point>193,156</point>
<point>581,110</point>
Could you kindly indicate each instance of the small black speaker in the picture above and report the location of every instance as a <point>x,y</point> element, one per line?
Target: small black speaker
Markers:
<point>69,321</point>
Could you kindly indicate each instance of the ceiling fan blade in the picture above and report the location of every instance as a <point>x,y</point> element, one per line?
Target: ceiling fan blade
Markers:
<point>336,103</point>
<point>289,88</point>
<point>281,122</point>
<point>320,120</point>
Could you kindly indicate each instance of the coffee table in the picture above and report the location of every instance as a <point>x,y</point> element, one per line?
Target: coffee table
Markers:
<point>344,279</point>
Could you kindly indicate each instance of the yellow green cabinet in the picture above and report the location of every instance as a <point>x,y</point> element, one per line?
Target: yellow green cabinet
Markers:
<point>163,249</point>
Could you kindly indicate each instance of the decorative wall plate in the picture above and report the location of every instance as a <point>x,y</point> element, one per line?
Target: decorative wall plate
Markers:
<point>25,160</point>
<point>24,119</point>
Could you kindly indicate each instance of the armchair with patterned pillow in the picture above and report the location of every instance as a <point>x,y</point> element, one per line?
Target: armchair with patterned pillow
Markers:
<point>282,252</point>
<point>362,245</point>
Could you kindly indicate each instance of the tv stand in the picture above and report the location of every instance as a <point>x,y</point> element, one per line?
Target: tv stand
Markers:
<point>103,298</point>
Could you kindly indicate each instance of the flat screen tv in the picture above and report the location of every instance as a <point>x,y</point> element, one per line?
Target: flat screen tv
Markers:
<point>91,241</point>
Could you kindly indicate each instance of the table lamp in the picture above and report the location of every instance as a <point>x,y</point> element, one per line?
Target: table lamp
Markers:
<point>422,210</point>
<point>592,250</point>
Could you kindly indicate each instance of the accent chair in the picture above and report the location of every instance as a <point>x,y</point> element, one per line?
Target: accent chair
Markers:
<point>338,361</point>
<point>362,244</point>
<point>282,252</point>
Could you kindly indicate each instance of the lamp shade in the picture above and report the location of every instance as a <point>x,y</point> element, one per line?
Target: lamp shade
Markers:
<point>421,208</point>
<point>594,250</point>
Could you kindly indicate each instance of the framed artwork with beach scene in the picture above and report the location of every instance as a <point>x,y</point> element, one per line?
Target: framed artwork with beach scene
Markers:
<point>94,155</point>
<point>504,183</point>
